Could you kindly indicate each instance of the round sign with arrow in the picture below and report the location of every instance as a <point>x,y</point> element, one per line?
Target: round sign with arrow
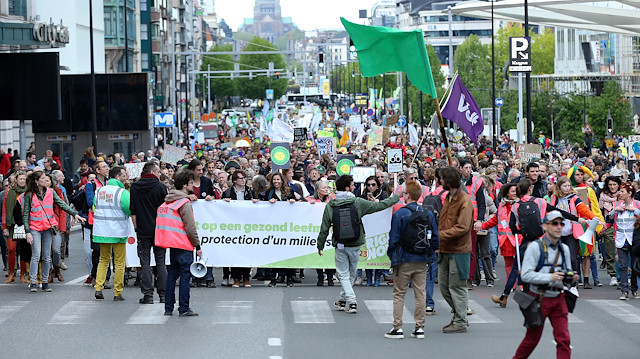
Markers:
<point>402,121</point>
<point>499,101</point>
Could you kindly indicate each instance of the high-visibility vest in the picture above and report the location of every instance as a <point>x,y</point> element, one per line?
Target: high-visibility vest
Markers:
<point>504,231</point>
<point>542,205</point>
<point>96,185</point>
<point>170,229</point>
<point>578,230</point>
<point>399,189</point>
<point>109,218</point>
<point>42,217</point>
<point>615,216</point>
<point>471,190</point>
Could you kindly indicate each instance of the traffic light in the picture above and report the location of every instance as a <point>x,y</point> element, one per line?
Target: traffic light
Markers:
<point>277,76</point>
<point>310,75</point>
<point>609,125</point>
<point>320,60</point>
<point>353,73</point>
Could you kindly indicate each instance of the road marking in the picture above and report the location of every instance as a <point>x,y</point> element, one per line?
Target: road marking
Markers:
<point>481,315</point>
<point>275,357</point>
<point>73,312</point>
<point>275,342</point>
<point>233,312</point>
<point>382,311</point>
<point>7,310</point>
<point>149,314</point>
<point>76,281</point>
<point>574,319</point>
<point>311,311</point>
<point>621,310</point>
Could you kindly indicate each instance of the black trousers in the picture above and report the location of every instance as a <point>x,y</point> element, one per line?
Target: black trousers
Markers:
<point>241,274</point>
<point>144,253</point>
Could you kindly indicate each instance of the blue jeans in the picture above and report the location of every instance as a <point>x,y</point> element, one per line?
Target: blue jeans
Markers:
<point>514,275</point>
<point>41,247</point>
<point>179,268</point>
<point>624,259</point>
<point>493,245</point>
<point>594,268</point>
<point>432,274</point>
<point>346,267</point>
<point>55,249</point>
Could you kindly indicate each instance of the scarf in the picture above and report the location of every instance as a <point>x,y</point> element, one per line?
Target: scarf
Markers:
<point>149,175</point>
<point>342,195</point>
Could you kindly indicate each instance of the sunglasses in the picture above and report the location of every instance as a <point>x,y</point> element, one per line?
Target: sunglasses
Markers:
<point>371,184</point>
<point>556,223</point>
<point>413,178</point>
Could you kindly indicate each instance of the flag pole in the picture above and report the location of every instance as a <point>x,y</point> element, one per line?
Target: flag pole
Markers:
<point>443,133</point>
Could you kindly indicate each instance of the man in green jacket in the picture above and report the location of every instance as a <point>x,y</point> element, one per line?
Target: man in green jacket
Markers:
<point>344,213</point>
<point>111,230</point>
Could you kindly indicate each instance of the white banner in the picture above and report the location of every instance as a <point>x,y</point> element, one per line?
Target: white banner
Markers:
<point>173,154</point>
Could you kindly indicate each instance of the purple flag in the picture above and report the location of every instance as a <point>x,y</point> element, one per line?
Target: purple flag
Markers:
<point>462,109</point>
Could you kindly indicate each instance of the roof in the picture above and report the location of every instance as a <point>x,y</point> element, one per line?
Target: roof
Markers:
<point>619,16</point>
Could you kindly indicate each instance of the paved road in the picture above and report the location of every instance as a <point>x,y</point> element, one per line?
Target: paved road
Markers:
<point>300,322</point>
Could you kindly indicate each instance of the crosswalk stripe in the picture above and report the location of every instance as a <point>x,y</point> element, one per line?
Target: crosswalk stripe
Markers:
<point>623,311</point>
<point>73,312</point>
<point>382,311</point>
<point>311,311</point>
<point>77,281</point>
<point>7,310</point>
<point>233,312</point>
<point>149,314</point>
<point>481,315</point>
<point>574,319</point>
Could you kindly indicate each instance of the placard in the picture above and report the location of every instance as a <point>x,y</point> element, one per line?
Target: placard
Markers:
<point>634,147</point>
<point>327,145</point>
<point>299,133</point>
<point>360,174</point>
<point>394,158</point>
<point>280,156</point>
<point>173,154</point>
<point>134,170</point>
<point>528,152</point>
<point>344,164</point>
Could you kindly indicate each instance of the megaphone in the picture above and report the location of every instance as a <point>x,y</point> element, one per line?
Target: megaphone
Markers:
<point>587,237</point>
<point>199,269</point>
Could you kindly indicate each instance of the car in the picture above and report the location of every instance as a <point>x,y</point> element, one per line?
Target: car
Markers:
<point>254,104</point>
<point>232,112</point>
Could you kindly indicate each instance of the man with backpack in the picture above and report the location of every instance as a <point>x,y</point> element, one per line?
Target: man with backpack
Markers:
<point>413,240</point>
<point>344,214</point>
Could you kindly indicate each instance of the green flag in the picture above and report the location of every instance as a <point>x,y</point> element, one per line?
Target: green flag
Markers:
<point>383,49</point>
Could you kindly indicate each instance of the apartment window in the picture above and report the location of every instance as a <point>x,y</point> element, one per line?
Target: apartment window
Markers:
<point>560,46</point>
<point>109,26</point>
<point>571,44</point>
<point>145,61</point>
<point>144,33</point>
<point>143,5</point>
<point>18,7</point>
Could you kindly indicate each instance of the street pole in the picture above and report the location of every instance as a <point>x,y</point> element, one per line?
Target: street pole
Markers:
<point>126,40</point>
<point>375,100</point>
<point>451,42</point>
<point>94,118</point>
<point>406,92</point>
<point>528,76</point>
<point>209,104</point>
<point>493,83</point>
<point>172,82</point>
<point>421,116</point>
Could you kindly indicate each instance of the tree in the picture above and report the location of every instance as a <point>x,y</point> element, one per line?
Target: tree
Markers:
<point>295,35</point>
<point>472,61</point>
<point>220,87</point>
<point>255,87</point>
<point>243,36</point>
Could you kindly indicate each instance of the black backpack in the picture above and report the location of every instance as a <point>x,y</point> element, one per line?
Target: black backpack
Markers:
<point>416,238</point>
<point>433,203</point>
<point>529,220</point>
<point>346,224</point>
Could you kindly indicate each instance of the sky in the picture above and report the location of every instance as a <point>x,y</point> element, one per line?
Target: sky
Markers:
<point>306,14</point>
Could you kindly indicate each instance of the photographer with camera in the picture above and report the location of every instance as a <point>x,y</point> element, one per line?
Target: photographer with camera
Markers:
<point>547,268</point>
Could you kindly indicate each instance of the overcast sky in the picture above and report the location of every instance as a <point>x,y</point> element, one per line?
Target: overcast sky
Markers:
<point>306,14</point>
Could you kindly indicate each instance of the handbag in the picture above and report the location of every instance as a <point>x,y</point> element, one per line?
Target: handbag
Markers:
<point>530,308</point>
<point>19,232</point>
<point>571,300</point>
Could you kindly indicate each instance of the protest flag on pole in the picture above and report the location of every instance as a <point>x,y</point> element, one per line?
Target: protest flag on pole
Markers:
<point>462,109</point>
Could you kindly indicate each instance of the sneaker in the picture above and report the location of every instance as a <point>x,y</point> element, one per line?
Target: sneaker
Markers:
<point>580,284</point>
<point>454,329</point>
<point>470,311</point>
<point>45,287</point>
<point>490,285</point>
<point>168,313</point>
<point>418,333</point>
<point>340,304</point>
<point>236,284</point>
<point>430,311</point>
<point>33,288</point>
<point>353,308</point>
<point>107,285</point>
<point>189,313</point>
<point>358,281</point>
<point>635,295</point>
<point>88,281</point>
<point>502,300</point>
<point>225,282</point>
<point>597,283</point>
<point>624,296</point>
<point>118,298</point>
<point>613,282</point>
<point>99,294</point>
<point>290,282</point>
<point>396,334</point>
<point>247,284</point>
<point>63,266</point>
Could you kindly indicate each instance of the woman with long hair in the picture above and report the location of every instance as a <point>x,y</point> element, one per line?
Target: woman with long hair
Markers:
<point>607,200</point>
<point>40,224</point>
<point>374,193</point>
<point>9,221</point>
<point>321,194</point>
<point>625,213</point>
<point>279,191</point>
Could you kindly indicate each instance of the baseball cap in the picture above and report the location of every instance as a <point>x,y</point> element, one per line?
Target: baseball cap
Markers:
<point>552,215</point>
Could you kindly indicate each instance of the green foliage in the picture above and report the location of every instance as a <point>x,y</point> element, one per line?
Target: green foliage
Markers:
<point>255,87</point>
<point>472,61</point>
<point>295,34</point>
<point>243,36</point>
<point>220,87</point>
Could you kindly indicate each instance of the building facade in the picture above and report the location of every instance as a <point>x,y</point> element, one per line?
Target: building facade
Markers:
<point>121,19</point>
<point>267,21</point>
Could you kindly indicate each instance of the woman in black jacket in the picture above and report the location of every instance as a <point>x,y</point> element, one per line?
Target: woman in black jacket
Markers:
<point>202,186</point>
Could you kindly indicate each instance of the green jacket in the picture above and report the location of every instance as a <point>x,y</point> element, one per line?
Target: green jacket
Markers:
<point>363,206</point>
<point>125,200</point>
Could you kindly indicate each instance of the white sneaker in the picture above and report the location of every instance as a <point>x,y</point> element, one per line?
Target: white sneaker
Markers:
<point>613,282</point>
<point>470,311</point>
<point>418,333</point>
<point>624,296</point>
<point>358,281</point>
<point>430,311</point>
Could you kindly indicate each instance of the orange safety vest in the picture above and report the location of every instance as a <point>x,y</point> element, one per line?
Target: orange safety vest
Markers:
<point>504,231</point>
<point>578,230</point>
<point>42,217</point>
<point>472,189</point>
<point>96,184</point>
<point>170,229</point>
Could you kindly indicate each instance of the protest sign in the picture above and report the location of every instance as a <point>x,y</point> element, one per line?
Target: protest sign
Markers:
<point>528,152</point>
<point>173,154</point>
<point>280,131</point>
<point>360,174</point>
<point>279,235</point>
<point>375,136</point>
<point>394,156</point>
<point>344,164</point>
<point>280,156</point>
<point>299,134</point>
<point>131,258</point>
<point>327,145</point>
<point>134,169</point>
<point>634,147</point>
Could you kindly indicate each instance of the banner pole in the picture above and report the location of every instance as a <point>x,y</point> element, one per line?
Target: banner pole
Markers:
<point>443,132</point>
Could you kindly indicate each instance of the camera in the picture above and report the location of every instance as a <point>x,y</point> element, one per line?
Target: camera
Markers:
<point>568,277</point>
